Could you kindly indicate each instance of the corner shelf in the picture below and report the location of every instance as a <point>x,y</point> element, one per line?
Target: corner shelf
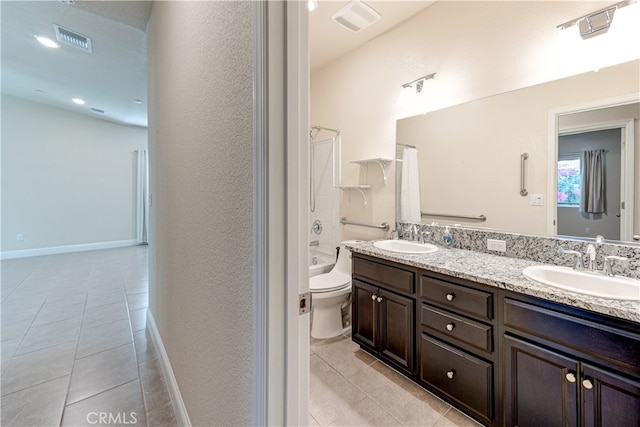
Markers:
<point>382,162</point>
<point>362,189</point>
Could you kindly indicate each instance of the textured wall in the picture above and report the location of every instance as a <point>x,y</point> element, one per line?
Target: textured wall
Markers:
<point>67,179</point>
<point>201,149</point>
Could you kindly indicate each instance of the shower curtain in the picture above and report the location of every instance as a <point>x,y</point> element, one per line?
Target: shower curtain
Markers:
<point>410,187</point>
<point>142,211</point>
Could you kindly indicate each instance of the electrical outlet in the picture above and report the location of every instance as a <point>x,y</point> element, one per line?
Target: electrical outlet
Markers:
<point>19,237</point>
<point>496,245</point>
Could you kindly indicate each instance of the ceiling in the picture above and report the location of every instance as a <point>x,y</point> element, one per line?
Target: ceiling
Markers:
<point>114,75</point>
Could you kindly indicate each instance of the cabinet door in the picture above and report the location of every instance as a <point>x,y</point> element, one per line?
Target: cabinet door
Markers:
<point>609,399</point>
<point>364,314</point>
<point>541,387</point>
<point>397,323</point>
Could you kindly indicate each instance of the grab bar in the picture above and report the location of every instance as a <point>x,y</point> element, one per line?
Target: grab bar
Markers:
<point>314,243</point>
<point>384,226</point>
<point>523,190</point>
<point>480,218</point>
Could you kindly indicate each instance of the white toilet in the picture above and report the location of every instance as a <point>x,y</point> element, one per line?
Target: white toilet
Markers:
<point>330,294</point>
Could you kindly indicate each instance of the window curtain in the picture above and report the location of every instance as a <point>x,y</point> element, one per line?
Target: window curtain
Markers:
<point>592,199</point>
<point>142,211</point>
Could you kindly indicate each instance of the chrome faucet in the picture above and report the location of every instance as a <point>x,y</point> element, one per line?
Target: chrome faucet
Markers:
<point>607,263</point>
<point>579,265</point>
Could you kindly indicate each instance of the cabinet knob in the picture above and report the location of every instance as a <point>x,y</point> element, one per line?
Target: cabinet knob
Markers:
<point>379,299</point>
<point>451,296</point>
<point>374,296</point>
<point>450,326</point>
<point>451,373</point>
<point>571,377</point>
<point>586,383</point>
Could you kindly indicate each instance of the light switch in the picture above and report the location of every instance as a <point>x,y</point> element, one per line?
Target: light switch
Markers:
<point>536,200</point>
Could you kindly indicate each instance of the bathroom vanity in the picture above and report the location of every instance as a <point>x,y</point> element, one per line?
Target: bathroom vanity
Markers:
<point>470,328</point>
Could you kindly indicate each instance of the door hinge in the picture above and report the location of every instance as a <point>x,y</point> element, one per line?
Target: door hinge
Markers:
<point>621,205</point>
<point>304,303</point>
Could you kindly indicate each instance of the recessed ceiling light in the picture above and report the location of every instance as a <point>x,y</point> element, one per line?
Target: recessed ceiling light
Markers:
<point>47,42</point>
<point>78,101</point>
<point>312,5</point>
<point>137,101</point>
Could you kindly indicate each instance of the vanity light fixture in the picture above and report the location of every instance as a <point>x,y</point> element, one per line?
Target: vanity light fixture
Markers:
<point>419,82</point>
<point>597,22</point>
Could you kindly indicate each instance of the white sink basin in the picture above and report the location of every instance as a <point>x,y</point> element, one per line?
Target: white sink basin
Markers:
<point>587,283</point>
<point>405,246</point>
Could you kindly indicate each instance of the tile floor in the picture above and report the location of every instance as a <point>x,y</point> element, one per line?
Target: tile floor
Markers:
<point>75,350</point>
<point>349,387</point>
<point>74,347</point>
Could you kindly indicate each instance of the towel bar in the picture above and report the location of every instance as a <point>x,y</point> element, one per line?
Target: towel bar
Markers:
<point>384,226</point>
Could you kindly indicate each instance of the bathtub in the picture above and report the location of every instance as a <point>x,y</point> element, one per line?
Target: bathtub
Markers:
<point>320,262</point>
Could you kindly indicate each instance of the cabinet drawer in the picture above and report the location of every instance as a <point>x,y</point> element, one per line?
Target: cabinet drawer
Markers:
<point>462,377</point>
<point>451,326</point>
<point>389,277</point>
<point>456,297</point>
<point>617,346</point>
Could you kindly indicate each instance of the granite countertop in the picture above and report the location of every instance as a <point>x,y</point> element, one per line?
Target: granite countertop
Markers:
<point>501,272</point>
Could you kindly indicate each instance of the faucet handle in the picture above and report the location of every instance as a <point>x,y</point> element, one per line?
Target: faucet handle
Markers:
<point>579,263</point>
<point>607,263</point>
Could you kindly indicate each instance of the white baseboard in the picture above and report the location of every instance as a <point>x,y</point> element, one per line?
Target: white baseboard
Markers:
<point>22,253</point>
<point>182,417</point>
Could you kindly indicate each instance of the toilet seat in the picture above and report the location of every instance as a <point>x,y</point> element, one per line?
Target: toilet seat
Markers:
<point>329,282</point>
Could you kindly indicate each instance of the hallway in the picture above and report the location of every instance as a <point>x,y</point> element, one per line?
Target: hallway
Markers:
<point>75,350</point>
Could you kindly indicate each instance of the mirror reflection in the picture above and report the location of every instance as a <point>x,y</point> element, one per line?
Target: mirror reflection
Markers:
<point>516,161</point>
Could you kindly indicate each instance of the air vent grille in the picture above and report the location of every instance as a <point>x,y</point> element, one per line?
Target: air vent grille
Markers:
<point>356,16</point>
<point>72,38</point>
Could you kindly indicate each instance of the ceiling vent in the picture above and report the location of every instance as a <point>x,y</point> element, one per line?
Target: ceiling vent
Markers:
<point>355,16</point>
<point>72,38</point>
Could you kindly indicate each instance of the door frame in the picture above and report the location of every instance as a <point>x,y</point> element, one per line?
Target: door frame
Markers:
<point>627,160</point>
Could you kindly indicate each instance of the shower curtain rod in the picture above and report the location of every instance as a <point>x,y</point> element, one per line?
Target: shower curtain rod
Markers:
<point>313,127</point>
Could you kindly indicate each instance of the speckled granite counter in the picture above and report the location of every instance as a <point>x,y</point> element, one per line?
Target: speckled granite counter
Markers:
<point>503,273</point>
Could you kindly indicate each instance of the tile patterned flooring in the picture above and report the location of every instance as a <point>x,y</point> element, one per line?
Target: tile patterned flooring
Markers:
<point>349,387</point>
<point>75,350</point>
<point>74,346</point>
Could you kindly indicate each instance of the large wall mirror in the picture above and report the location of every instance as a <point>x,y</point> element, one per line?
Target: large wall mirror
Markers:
<point>494,162</point>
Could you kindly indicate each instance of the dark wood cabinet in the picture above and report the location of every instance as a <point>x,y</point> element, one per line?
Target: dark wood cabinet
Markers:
<point>457,357</point>
<point>541,386</point>
<point>609,399</point>
<point>504,358</point>
<point>383,321</point>
<point>568,367</point>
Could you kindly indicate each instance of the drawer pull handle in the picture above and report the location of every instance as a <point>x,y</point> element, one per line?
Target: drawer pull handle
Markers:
<point>451,374</point>
<point>451,296</point>
<point>571,377</point>
<point>450,326</point>
<point>374,296</point>
<point>586,383</point>
<point>379,299</point>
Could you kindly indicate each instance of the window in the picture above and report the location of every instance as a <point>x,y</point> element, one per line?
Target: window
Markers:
<point>569,180</point>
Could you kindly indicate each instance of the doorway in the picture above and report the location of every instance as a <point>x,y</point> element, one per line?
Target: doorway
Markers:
<point>572,219</point>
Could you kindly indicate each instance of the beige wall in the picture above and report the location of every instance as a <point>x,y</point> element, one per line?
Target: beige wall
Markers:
<point>67,179</point>
<point>201,149</point>
<point>478,49</point>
